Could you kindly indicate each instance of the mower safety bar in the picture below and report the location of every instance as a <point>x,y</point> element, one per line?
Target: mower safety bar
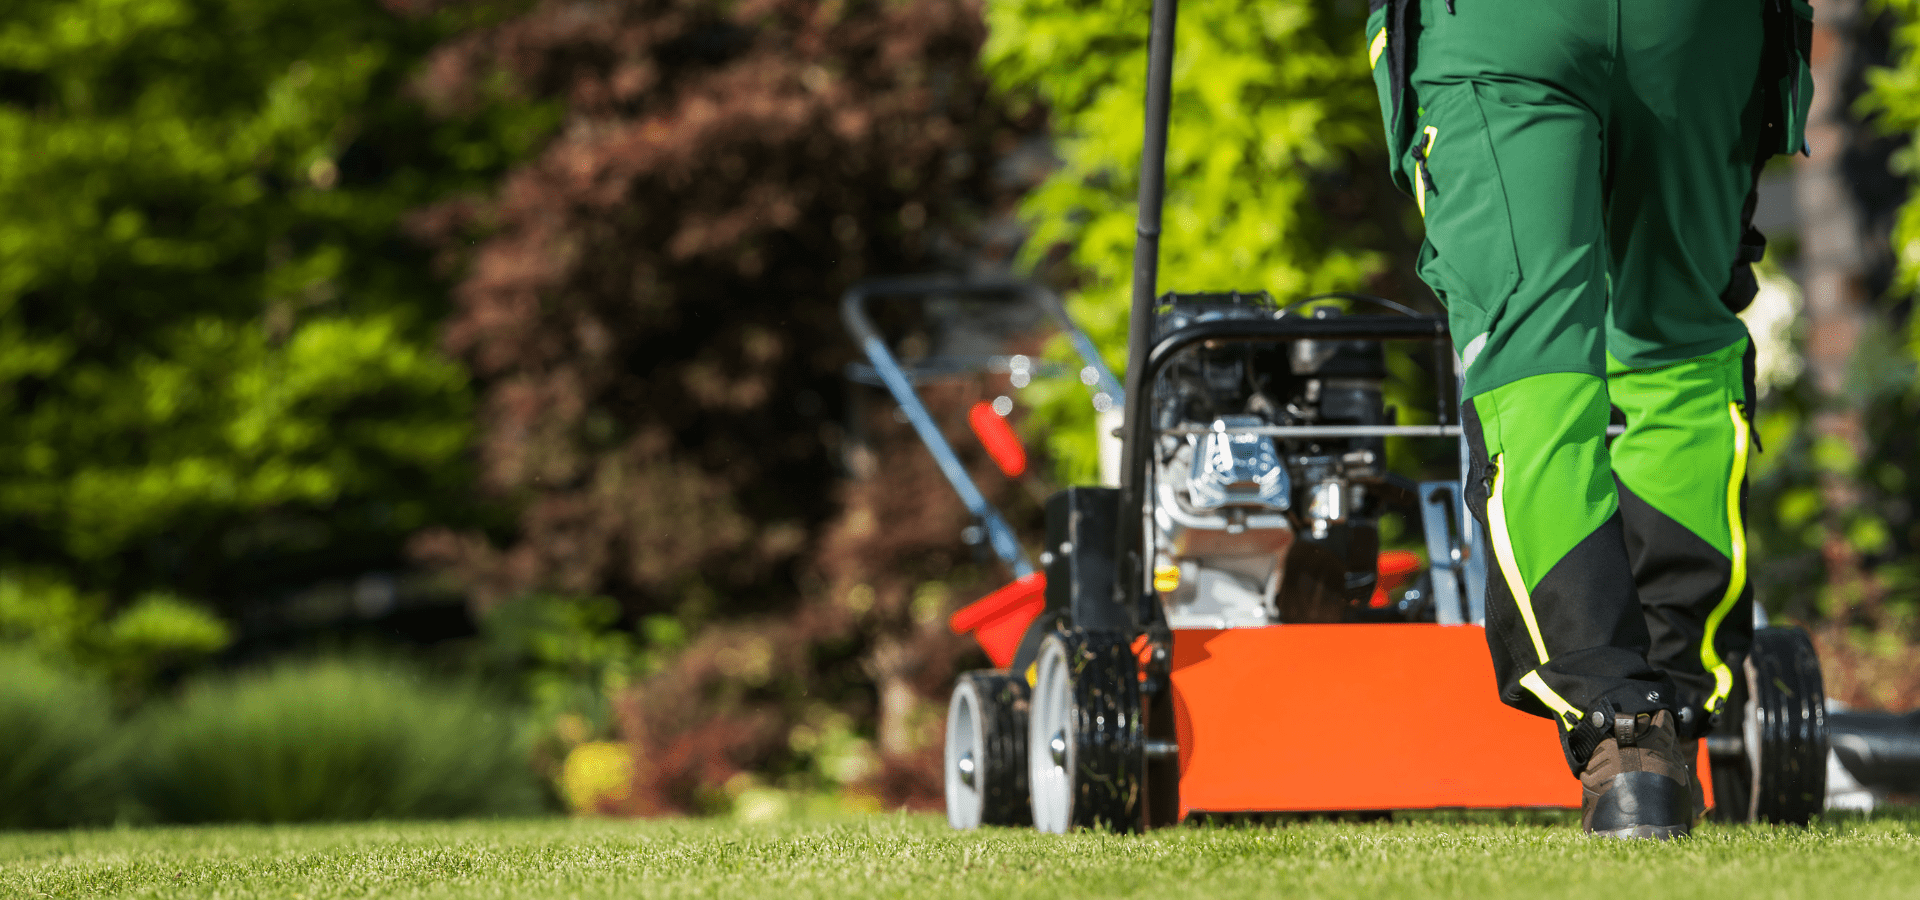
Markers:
<point>899,383</point>
<point>1331,431</point>
<point>1323,431</point>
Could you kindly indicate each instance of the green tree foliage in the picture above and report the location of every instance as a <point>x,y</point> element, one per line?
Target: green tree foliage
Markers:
<point>217,361</point>
<point>1894,95</point>
<point>1893,99</point>
<point>1856,448</point>
<point>1270,102</point>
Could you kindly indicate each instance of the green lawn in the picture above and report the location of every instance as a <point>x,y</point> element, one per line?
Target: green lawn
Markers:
<point>916,856</point>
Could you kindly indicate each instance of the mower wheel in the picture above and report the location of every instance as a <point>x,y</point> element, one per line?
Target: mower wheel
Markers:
<point>1732,773</point>
<point>1786,727</point>
<point>986,758</point>
<point>1086,746</point>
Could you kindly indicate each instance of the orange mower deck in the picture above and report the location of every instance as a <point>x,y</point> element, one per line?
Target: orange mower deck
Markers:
<point>1334,717</point>
<point>1326,718</point>
<point>1355,717</point>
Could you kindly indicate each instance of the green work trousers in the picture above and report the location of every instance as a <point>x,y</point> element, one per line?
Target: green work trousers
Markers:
<point>1581,166</point>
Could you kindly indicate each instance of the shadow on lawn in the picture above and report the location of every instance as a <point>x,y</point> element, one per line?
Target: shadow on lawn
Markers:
<point>1903,812</point>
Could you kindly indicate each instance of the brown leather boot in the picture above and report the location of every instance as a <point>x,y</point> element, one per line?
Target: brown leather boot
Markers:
<point>1637,783</point>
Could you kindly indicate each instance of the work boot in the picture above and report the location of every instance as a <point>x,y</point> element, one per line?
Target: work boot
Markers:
<point>1636,784</point>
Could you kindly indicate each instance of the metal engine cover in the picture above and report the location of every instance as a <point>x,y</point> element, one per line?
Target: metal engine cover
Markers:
<point>1238,469</point>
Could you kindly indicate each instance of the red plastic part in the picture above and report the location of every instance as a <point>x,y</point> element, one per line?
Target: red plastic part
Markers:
<point>1396,568</point>
<point>998,437</point>
<point>1000,619</point>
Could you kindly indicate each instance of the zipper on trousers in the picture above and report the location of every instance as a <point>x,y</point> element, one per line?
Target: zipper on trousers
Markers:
<point>1423,179</point>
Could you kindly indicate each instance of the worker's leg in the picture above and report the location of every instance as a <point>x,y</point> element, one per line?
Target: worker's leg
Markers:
<point>1508,161</point>
<point>1681,468</point>
<point>1681,142</point>
<point>1563,618</point>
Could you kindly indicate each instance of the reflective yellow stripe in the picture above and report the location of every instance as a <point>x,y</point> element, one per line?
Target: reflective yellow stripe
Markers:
<point>1420,175</point>
<point>1569,717</point>
<point>1509,566</point>
<point>1722,673</point>
<point>1379,46</point>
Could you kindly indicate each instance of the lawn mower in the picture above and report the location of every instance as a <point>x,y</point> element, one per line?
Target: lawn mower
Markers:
<point>1261,598</point>
<point>1220,634</point>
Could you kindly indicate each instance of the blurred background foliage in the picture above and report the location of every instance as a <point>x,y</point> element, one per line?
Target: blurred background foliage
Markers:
<point>439,407</point>
<point>329,740</point>
<point>58,747</point>
<point>1272,181</point>
<point>218,367</point>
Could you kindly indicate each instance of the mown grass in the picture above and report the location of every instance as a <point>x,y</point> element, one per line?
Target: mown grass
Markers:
<point>917,857</point>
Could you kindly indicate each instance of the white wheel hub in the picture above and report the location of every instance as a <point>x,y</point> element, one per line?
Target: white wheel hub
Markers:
<point>1050,751</point>
<point>963,755</point>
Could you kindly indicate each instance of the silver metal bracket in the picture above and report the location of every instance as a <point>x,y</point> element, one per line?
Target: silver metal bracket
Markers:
<point>1456,555</point>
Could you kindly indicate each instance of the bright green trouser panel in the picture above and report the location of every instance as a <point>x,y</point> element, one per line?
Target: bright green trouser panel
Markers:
<point>1681,467</point>
<point>1546,436</point>
<point>1564,146</point>
<point>1563,622</point>
<point>1686,424</point>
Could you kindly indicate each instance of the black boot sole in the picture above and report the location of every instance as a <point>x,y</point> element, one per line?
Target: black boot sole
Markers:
<point>1645,832</point>
<point>1642,805</point>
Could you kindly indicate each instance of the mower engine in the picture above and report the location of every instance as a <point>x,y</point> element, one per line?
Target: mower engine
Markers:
<point>1252,525</point>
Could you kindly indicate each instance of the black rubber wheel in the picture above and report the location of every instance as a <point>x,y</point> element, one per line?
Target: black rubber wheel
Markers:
<point>1163,773</point>
<point>1786,728</point>
<point>1732,775</point>
<point>1086,743</point>
<point>986,755</point>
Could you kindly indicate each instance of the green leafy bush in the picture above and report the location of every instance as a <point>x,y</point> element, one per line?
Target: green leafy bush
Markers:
<point>331,741</point>
<point>155,633</point>
<point>157,630</point>
<point>1266,98</point>
<point>56,747</point>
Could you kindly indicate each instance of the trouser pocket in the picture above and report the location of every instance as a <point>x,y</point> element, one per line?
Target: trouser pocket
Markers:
<point>1468,258</point>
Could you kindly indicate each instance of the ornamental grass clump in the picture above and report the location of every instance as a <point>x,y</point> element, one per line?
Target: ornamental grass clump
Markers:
<point>57,746</point>
<point>332,740</point>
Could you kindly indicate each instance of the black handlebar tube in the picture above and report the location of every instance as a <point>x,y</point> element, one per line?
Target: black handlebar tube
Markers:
<point>1146,268</point>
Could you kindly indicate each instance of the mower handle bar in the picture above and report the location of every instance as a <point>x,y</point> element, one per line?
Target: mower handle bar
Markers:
<point>853,311</point>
